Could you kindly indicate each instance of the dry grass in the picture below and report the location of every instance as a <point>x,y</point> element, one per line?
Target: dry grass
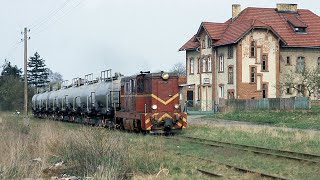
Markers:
<point>31,151</point>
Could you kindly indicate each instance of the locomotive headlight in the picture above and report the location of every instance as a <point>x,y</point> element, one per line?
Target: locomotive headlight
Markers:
<point>176,106</point>
<point>165,76</point>
<point>154,107</point>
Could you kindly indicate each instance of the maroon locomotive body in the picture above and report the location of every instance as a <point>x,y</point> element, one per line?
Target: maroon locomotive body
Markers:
<point>150,103</point>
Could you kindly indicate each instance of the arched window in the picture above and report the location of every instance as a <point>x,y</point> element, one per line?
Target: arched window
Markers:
<point>209,64</point>
<point>221,63</point>
<point>253,49</point>
<point>204,64</point>
<point>191,66</point>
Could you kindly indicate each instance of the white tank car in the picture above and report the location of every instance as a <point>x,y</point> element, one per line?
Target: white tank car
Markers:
<point>97,97</point>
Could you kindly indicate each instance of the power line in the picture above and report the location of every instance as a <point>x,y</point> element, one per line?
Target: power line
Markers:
<point>12,49</point>
<point>37,31</point>
<point>36,23</point>
<point>52,13</point>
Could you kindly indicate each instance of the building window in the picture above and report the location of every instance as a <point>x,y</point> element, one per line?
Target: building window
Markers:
<point>203,44</point>
<point>253,49</point>
<point>230,52</point>
<point>199,94</point>
<point>209,64</point>
<point>264,90</point>
<point>288,89</point>
<point>191,66</point>
<point>221,63</point>
<point>264,65</point>
<point>252,74</point>
<point>204,64</point>
<point>300,64</point>
<point>231,94</point>
<point>221,93</point>
<point>206,41</point>
<point>318,64</point>
<point>300,89</point>
<point>288,62</point>
<point>230,74</point>
<point>299,29</point>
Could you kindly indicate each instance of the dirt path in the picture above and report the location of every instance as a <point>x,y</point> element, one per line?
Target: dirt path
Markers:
<point>200,119</point>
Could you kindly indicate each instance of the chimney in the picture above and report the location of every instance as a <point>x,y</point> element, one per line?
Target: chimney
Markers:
<point>282,7</point>
<point>236,9</point>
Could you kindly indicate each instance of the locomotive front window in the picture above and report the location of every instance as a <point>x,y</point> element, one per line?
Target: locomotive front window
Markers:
<point>140,85</point>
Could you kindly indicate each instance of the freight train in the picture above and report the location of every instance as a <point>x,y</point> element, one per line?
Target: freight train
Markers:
<point>147,102</point>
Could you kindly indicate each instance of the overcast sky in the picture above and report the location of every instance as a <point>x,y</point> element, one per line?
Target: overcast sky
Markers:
<point>78,37</point>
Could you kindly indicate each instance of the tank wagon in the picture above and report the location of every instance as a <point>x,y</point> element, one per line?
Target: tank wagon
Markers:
<point>146,102</point>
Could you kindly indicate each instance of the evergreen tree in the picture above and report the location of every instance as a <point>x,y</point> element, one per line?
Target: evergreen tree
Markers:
<point>37,73</point>
<point>10,70</point>
<point>11,88</point>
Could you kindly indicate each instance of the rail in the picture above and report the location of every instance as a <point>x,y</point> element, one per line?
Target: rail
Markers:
<point>255,149</point>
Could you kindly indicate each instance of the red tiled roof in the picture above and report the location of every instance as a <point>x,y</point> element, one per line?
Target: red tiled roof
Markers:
<point>237,30</point>
<point>279,22</point>
<point>215,30</point>
<point>191,44</point>
<point>294,20</point>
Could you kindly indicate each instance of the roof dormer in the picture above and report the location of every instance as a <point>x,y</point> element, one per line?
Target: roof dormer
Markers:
<point>297,25</point>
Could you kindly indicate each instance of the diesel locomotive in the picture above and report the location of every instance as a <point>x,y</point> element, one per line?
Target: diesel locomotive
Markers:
<point>147,102</point>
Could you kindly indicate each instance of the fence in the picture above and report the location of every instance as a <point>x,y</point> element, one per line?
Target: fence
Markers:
<point>209,107</point>
<point>200,107</point>
<point>266,104</point>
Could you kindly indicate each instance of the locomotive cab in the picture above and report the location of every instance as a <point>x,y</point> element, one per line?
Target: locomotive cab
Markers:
<point>150,102</point>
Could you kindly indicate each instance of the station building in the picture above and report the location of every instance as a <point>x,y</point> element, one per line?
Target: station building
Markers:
<point>250,55</point>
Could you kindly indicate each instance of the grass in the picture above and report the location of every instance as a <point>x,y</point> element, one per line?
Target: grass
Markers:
<point>295,119</point>
<point>104,154</point>
<point>279,138</point>
<point>31,151</point>
<point>273,137</point>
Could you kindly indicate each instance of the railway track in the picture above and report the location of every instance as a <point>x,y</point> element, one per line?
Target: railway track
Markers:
<point>243,170</point>
<point>311,158</point>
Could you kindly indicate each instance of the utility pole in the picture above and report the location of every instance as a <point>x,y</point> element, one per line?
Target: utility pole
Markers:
<point>25,73</point>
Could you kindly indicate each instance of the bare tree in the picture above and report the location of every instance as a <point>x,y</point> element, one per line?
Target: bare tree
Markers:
<point>305,82</point>
<point>54,77</point>
<point>179,68</point>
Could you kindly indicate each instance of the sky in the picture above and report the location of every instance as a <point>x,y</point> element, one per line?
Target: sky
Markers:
<point>78,37</point>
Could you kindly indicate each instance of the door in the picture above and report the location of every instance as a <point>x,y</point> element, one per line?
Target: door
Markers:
<point>189,98</point>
